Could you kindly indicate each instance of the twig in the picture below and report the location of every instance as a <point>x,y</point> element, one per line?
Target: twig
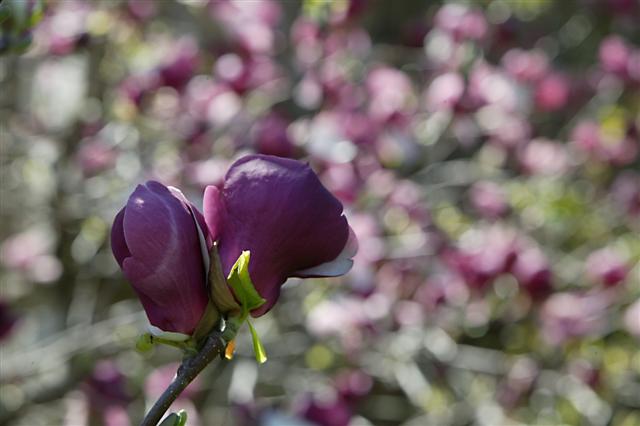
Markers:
<point>190,368</point>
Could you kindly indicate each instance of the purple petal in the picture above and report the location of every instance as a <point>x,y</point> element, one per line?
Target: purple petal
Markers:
<point>338,266</point>
<point>165,264</point>
<point>118,243</point>
<point>212,206</point>
<point>277,209</point>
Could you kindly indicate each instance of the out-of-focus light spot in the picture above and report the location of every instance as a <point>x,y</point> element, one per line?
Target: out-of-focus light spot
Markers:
<point>344,151</point>
<point>449,219</point>
<point>439,46</point>
<point>128,166</point>
<point>82,249</point>
<point>223,108</point>
<point>438,402</point>
<point>533,217</point>
<point>505,286</point>
<point>59,89</point>
<point>575,30</point>
<point>490,414</point>
<point>166,103</point>
<point>243,380</point>
<point>99,23</point>
<point>498,12</point>
<point>526,10</point>
<point>319,357</point>
<point>492,156</point>
<point>616,360</point>
<point>396,219</point>
<point>441,345</point>
<point>229,66</point>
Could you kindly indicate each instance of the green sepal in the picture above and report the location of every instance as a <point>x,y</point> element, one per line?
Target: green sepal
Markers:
<point>258,349</point>
<point>242,286</point>
<point>145,343</point>
<point>219,290</point>
<point>208,322</point>
<point>175,419</point>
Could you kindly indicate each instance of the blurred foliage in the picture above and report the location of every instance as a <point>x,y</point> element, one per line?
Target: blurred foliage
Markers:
<point>486,153</point>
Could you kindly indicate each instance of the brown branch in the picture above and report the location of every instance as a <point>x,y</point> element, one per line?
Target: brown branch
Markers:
<point>190,368</point>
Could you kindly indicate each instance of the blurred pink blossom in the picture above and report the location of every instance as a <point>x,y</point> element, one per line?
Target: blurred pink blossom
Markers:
<point>552,92</point>
<point>607,266</point>
<point>489,199</point>
<point>544,157</point>
<point>566,315</point>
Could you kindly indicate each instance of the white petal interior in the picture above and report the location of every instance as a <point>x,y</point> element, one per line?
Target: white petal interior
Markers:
<point>201,238</point>
<point>338,266</point>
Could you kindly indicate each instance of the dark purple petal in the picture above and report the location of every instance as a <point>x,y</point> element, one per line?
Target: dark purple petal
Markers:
<point>161,256</point>
<point>118,243</point>
<point>278,210</point>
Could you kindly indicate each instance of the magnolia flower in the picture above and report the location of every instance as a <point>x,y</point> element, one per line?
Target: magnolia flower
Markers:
<point>158,241</point>
<point>277,209</point>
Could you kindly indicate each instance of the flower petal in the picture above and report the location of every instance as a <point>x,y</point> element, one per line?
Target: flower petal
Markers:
<point>277,209</point>
<point>338,266</point>
<point>166,265</point>
<point>118,242</point>
<point>212,207</point>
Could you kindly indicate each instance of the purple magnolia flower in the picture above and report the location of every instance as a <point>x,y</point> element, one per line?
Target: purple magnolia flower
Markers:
<point>158,241</point>
<point>278,210</point>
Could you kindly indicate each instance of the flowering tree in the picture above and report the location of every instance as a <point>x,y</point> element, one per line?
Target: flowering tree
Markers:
<point>484,155</point>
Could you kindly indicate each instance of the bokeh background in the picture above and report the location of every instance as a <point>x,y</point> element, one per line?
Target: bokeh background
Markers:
<point>486,153</point>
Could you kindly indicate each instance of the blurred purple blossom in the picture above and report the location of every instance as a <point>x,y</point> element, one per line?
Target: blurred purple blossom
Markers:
<point>570,315</point>
<point>607,266</point>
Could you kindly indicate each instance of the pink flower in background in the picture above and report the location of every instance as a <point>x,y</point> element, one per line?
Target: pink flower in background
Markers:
<point>461,21</point>
<point>271,137</point>
<point>626,193</point>
<point>533,272</point>
<point>607,266</point>
<point>489,200</point>
<point>482,254</point>
<point>552,92</point>
<point>30,252</point>
<point>390,92</point>
<point>604,146</point>
<point>544,157</point>
<point>180,63</point>
<point>444,92</point>
<point>566,316</point>
<point>95,156</point>
<point>526,65</point>
<point>614,55</point>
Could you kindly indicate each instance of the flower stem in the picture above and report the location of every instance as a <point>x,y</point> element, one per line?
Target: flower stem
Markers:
<point>214,345</point>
